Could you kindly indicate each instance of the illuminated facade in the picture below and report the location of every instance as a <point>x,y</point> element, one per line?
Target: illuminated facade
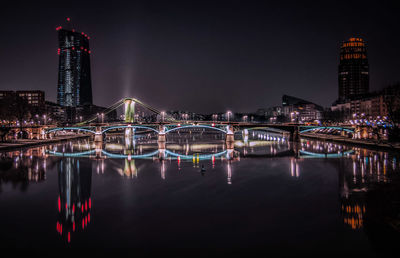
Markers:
<point>353,69</point>
<point>296,109</point>
<point>33,97</point>
<point>74,81</point>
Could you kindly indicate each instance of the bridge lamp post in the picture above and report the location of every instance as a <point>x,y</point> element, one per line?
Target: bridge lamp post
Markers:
<point>162,116</point>
<point>102,117</point>
<point>229,113</point>
<point>44,119</point>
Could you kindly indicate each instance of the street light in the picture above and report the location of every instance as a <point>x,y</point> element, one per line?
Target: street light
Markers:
<point>162,116</point>
<point>229,114</point>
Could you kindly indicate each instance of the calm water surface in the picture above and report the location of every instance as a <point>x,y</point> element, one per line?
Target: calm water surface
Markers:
<point>266,193</point>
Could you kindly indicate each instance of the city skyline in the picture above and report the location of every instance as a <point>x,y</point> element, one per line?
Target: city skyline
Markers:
<point>223,52</point>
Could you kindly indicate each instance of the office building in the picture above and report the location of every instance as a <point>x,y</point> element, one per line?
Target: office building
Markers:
<point>353,69</point>
<point>74,80</point>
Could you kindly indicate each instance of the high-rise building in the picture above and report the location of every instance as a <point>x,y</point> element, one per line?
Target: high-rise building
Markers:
<point>353,69</point>
<point>74,81</point>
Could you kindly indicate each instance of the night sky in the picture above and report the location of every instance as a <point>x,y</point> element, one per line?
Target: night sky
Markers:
<point>200,56</point>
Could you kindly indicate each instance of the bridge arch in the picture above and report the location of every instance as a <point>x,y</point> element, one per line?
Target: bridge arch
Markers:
<point>195,126</point>
<point>308,129</point>
<point>129,126</point>
<point>70,128</point>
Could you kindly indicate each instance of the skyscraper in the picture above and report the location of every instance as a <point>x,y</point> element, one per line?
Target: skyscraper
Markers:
<point>74,81</point>
<point>353,69</point>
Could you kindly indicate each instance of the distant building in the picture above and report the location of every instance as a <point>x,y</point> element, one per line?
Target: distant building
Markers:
<point>74,80</point>
<point>353,69</point>
<point>35,98</point>
<point>6,93</point>
<point>300,110</point>
<point>55,111</point>
<point>378,104</point>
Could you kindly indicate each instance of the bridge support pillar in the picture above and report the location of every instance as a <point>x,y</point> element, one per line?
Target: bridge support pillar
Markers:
<point>294,135</point>
<point>98,137</point>
<point>230,137</point>
<point>161,140</point>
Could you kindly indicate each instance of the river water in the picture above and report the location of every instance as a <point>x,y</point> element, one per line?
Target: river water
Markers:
<point>308,197</point>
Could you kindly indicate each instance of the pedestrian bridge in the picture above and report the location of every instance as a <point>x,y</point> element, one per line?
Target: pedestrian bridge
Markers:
<point>290,131</point>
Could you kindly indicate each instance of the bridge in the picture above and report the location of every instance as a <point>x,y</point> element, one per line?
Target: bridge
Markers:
<point>168,125</point>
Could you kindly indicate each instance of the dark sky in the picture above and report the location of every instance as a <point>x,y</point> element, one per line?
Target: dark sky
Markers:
<point>198,55</point>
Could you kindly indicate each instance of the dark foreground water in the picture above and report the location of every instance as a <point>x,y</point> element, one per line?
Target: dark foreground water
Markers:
<point>311,197</point>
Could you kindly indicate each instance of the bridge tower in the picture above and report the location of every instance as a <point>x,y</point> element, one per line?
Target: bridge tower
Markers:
<point>129,110</point>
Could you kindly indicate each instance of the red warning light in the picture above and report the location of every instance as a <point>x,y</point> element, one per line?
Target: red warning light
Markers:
<point>68,19</point>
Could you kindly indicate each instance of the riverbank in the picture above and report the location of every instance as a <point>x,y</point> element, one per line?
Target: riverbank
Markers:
<point>22,143</point>
<point>365,143</point>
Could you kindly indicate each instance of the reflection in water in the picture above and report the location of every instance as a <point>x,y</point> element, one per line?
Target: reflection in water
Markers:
<point>74,202</point>
<point>359,170</point>
<point>23,167</point>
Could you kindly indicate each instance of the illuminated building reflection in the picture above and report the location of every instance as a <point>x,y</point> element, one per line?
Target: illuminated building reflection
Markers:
<point>74,202</point>
<point>23,167</point>
<point>357,168</point>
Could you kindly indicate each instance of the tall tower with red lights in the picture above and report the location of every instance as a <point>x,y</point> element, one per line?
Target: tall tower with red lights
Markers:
<point>74,80</point>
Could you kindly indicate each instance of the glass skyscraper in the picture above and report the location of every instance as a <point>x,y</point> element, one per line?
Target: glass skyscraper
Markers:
<point>353,69</point>
<point>74,81</point>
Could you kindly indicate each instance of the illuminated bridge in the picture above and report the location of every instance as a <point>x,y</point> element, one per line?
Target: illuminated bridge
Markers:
<point>168,125</point>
